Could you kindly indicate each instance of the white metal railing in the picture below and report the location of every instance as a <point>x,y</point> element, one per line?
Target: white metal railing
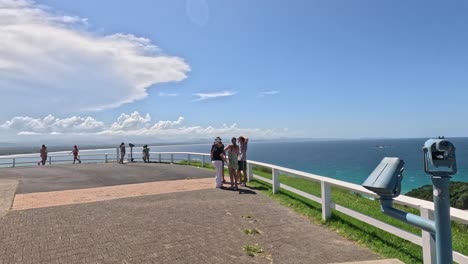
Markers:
<point>28,160</point>
<point>426,208</point>
<point>57,157</point>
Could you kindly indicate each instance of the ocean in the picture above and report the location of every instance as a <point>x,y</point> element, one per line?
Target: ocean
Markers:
<point>347,160</point>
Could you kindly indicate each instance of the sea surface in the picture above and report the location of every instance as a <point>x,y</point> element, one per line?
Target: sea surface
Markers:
<point>347,160</point>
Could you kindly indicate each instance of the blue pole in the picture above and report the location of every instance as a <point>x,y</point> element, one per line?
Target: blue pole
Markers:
<point>443,224</point>
<point>414,220</point>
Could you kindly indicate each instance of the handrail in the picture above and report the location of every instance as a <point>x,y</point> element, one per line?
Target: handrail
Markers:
<point>327,205</point>
<point>456,214</point>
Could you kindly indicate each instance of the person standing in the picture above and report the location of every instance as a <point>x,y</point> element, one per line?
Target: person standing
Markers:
<point>146,154</point>
<point>217,155</point>
<point>242,158</point>
<point>122,153</point>
<point>233,164</point>
<point>75,154</point>
<point>43,154</point>
<point>224,153</point>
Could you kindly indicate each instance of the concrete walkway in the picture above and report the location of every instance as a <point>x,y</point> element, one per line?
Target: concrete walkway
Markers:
<point>189,226</point>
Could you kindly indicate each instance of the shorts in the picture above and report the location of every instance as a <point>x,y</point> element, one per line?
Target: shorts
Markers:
<point>242,165</point>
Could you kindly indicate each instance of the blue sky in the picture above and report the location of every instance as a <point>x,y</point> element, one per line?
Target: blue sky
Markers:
<point>318,69</point>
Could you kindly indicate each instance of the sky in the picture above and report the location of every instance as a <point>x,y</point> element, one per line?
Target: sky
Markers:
<point>196,69</point>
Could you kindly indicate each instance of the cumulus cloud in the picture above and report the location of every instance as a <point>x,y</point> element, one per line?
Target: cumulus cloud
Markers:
<point>206,96</point>
<point>49,124</point>
<point>50,62</point>
<point>133,121</point>
<point>134,125</point>
<point>266,93</point>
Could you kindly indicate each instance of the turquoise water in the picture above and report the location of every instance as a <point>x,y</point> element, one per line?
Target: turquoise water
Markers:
<point>347,160</point>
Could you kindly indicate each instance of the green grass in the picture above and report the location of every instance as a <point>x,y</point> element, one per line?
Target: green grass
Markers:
<point>253,250</point>
<point>208,164</point>
<point>251,231</point>
<point>380,242</point>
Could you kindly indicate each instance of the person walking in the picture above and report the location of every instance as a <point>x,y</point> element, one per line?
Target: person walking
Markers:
<point>75,154</point>
<point>242,158</point>
<point>233,164</point>
<point>122,153</point>
<point>217,156</point>
<point>146,154</point>
<point>43,154</point>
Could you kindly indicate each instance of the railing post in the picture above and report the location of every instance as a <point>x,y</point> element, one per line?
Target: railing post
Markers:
<point>14,162</point>
<point>159,157</point>
<point>203,161</point>
<point>428,246</point>
<point>249,172</point>
<point>326,200</point>
<point>172,158</point>
<point>105,158</point>
<point>275,177</point>
<point>188,158</point>
<point>50,160</point>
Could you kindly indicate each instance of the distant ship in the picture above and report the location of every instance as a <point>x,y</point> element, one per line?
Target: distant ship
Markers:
<point>382,146</point>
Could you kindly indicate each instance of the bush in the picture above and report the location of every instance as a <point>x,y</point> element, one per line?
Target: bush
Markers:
<point>458,194</point>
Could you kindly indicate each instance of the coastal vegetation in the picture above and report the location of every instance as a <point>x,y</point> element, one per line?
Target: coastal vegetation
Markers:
<point>458,194</point>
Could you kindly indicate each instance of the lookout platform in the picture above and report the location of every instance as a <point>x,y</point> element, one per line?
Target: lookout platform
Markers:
<point>152,213</point>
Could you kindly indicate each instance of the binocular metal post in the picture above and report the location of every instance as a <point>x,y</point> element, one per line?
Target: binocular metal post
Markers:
<point>440,163</point>
<point>442,221</point>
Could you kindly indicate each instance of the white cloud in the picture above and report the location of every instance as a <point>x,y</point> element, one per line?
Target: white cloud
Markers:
<point>50,124</point>
<point>167,124</point>
<point>50,63</point>
<point>131,122</point>
<point>206,96</point>
<point>266,93</point>
<point>131,125</point>
<point>28,133</point>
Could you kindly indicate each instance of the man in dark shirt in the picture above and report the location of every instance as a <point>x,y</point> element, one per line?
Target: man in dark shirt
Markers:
<point>122,152</point>
<point>217,156</point>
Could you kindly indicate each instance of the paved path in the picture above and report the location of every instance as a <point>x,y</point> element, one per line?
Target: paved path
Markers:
<point>47,199</point>
<point>81,176</point>
<point>198,226</point>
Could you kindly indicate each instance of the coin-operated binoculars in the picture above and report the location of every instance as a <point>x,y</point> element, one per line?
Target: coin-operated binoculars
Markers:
<point>131,151</point>
<point>440,162</point>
